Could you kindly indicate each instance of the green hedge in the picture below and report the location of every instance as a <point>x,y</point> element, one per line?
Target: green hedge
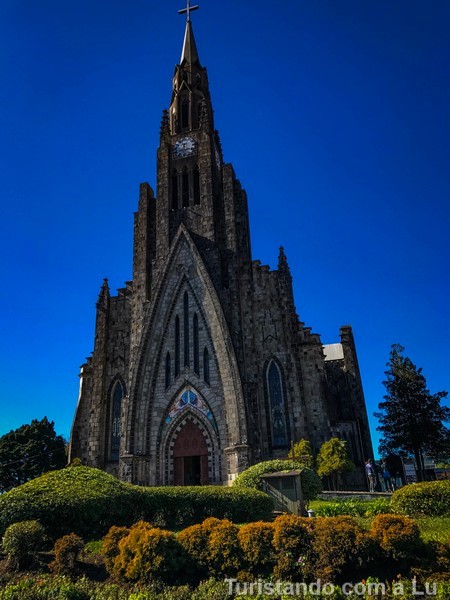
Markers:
<point>251,477</point>
<point>88,502</point>
<point>431,499</point>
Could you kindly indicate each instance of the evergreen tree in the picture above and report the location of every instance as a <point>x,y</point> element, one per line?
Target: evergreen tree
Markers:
<point>412,420</point>
<point>333,461</point>
<point>30,451</point>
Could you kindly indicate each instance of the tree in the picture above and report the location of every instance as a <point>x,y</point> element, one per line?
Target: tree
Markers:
<point>412,420</point>
<point>333,461</point>
<point>30,451</point>
<point>302,453</point>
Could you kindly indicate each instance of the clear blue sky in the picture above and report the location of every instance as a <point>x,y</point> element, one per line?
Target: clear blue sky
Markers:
<point>335,115</point>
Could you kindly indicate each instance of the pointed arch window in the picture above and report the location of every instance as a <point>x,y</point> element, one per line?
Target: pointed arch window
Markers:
<point>277,406</point>
<point>196,185</point>
<point>186,330</point>
<point>174,184</point>
<point>184,113</point>
<point>196,345</point>
<point>185,187</point>
<point>177,346</point>
<point>168,370</point>
<point>206,366</point>
<point>116,414</point>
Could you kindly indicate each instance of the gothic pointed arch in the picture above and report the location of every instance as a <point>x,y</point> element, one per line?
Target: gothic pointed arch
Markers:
<point>276,404</point>
<point>116,395</point>
<point>184,269</point>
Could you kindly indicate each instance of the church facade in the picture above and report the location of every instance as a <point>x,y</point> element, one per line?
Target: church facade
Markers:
<point>201,365</point>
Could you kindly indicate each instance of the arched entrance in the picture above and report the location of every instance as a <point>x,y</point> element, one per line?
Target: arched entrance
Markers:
<point>190,456</point>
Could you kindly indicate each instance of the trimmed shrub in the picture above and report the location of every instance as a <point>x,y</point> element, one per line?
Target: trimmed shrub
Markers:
<point>256,542</point>
<point>397,536</point>
<point>110,545</point>
<point>292,542</point>
<point>251,477</point>
<point>66,551</point>
<point>88,501</point>
<point>431,499</point>
<point>339,544</point>
<point>22,541</point>
<point>212,548</point>
<point>148,554</point>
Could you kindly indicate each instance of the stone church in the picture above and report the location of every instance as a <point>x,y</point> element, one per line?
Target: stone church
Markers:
<point>201,365</point>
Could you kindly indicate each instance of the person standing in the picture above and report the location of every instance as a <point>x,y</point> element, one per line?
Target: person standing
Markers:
<point>370,472</point>
<point>387,478</point>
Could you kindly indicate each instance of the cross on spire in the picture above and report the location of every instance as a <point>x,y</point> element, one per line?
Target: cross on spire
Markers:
<point>188,10</point>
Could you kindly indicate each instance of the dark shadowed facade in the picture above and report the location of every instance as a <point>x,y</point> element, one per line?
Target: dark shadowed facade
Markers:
<point>201,365</point>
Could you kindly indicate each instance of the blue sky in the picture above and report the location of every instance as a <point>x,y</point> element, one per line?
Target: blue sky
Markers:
<point>335,115</point>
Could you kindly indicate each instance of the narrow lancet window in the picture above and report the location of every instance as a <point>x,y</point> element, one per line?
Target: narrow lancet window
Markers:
<point>277,407</point>
<point>196,347</point>
<point>168,370</point>
<point>206,366</point>
<point>186,330</point>
<point>185,187</point>
<point>116,410</point>
<point>184,114</point>
<point>177,346</point>
<point>196,185</point>
<point>174,183</point>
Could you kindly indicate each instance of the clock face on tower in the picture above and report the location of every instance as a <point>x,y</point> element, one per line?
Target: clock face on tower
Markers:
<point>184,147</point>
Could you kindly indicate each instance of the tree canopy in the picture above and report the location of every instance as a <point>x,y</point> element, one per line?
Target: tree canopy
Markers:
<point>333,460</point>
<point>302,453</point>
<point>30,451</point>
<point>412,420</point>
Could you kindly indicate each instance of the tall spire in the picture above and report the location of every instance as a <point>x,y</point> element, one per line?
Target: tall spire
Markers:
<point>189,53</point>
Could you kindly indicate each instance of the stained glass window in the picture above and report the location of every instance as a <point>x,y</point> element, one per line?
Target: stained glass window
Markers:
<point>177,346</point>
<point>186,330</point>
<point>277,407</point>
<point>196,348</point>
<point>116,410</point>
<point>206,365</point>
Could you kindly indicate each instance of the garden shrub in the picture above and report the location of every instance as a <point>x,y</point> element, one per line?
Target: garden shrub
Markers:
<point>251,477</point>
<point>22,541</point>
<point>66,551</point>
<point>339,545</point>
<point>110,545</point>
<point>431,498</point>
<point>148,554</point>
<point>88,501</point>
<point>397,536</point>
<point>292,542</point>
<point>256,542</point>
<point>212,548</point>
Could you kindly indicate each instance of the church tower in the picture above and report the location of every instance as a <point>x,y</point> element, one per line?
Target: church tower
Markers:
<point>201,365</point>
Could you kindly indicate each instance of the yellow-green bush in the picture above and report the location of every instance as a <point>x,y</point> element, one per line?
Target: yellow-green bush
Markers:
<point>147,554</point>
<point>110,545</point>
<point>22,541</point>
<point>339,545</point>
<point>397,536</point>
<point>256,542</point>
<point>292,542</point>
<point>66,551</point>
<point>431,499</point>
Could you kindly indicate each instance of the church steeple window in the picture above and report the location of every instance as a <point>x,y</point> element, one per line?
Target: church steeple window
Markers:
<point>196,346</point>
<point>184,113</point>
<point>174,190</point>
<point>206,366</point>
<point>168,370</point>
<point>116,410</point>
<point>186,330</point>
<point>196,185</point>
<point>177,346</point>
<point>277,406</point>
<point>185,187</point>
